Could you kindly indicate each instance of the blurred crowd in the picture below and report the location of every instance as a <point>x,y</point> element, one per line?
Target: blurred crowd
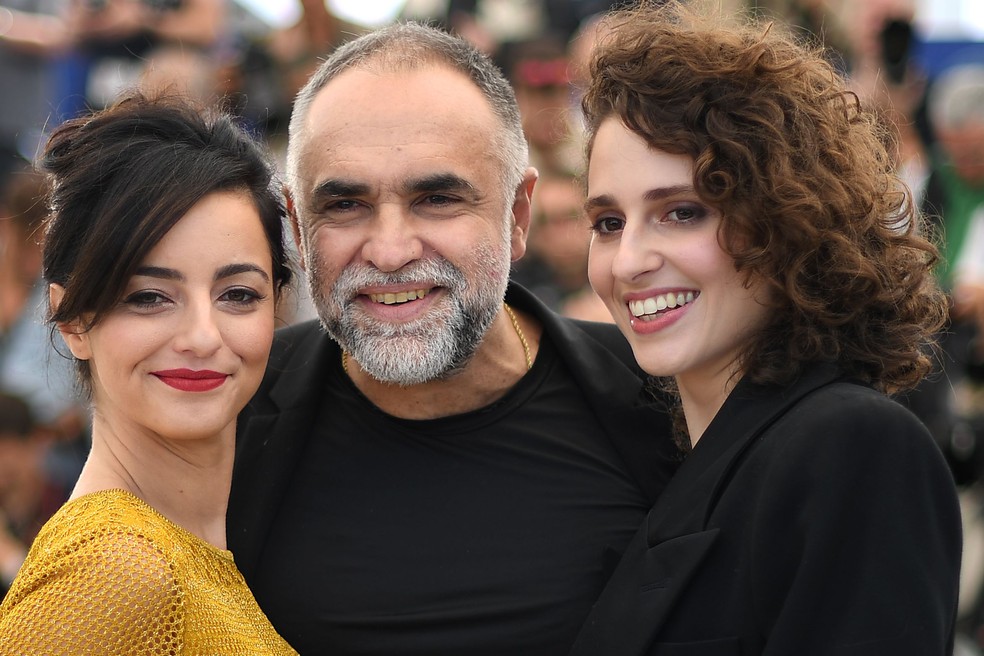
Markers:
<point>59,58</point>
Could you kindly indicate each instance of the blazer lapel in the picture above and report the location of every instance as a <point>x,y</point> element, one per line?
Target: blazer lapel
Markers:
<point>674,539</point>
<point>747,413</point>
<point>641,593</point>
<point>271,439</point>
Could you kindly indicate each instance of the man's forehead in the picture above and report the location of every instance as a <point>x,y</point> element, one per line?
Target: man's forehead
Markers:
<point>364,95</point>
<point>406,171</point>
<point>371,129</point>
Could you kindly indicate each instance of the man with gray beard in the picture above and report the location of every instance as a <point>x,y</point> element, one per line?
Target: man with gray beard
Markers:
<point>441,465</point>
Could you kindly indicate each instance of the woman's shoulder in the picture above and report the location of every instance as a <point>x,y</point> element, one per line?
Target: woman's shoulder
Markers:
<point>99,563</point>
<point>105,517</point>
<point>102,541</point>
<point>847,450</point>
<point>856,408</point>
<point>852,426</point>
<point>107,530</point>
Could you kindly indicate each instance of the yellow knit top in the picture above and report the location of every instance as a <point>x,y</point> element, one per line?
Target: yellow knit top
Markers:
<point>108,574</point>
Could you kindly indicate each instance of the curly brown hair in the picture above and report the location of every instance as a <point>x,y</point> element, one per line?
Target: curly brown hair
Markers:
<point>801,174</point>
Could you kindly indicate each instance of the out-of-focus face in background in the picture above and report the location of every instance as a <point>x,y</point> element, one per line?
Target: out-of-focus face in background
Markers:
<point>964,145</point>
<point>559,236</point>
<point>543,93</point>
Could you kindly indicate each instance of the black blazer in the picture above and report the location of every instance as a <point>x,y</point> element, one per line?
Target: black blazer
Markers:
<point>816,520</point>
<point>274,428</point>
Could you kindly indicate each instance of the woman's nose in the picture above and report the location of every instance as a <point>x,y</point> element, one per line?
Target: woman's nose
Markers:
<point>199,332</point>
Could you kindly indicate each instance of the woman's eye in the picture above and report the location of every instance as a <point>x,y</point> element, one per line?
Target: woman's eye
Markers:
<point>607,225</point>
<point>145,299</point>
<point>240,296</point>
<point>686,214</point>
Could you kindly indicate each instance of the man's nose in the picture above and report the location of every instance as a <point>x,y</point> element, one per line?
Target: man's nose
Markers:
<point>394,241</point>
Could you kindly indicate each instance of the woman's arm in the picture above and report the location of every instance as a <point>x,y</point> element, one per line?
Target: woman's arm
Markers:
<point>114,593</point>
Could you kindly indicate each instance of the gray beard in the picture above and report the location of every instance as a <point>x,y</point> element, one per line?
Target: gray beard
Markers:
<point>434,347</point>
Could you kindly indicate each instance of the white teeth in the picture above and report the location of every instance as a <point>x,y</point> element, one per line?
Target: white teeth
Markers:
<point>655,304</point>
<point>399,297</point>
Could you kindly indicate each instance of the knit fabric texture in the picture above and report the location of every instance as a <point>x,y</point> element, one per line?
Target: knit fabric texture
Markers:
<point>108,574</point>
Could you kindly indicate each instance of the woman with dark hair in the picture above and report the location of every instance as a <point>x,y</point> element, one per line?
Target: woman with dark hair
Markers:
<point>758,251</point>
<point>165,258</point>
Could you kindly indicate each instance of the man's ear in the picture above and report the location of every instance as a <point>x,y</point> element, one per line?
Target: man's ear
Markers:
<point>522,213</point>
<point>75,336</point>
<point>295,226</point>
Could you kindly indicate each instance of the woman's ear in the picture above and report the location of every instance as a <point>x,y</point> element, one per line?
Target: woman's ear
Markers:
<point>75,336</point>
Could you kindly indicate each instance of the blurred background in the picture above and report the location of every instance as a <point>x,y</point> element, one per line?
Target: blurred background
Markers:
<point>918,63</point>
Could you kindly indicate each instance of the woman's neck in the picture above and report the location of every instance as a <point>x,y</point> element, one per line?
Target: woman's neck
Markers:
<point>702,397</point>
<point>187,481</point>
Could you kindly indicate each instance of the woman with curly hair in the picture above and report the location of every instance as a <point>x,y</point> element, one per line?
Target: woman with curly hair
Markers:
<point>756,248</point>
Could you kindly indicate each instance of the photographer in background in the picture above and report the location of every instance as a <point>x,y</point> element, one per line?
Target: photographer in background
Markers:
<point>114,36</point>
<point>24,68</point>
<point>101,45</point>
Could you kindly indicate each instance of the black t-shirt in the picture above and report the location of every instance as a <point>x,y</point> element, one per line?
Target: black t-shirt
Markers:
<point>491,532</point>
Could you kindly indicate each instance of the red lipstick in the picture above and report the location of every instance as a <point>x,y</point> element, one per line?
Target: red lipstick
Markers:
<point>188,380</point>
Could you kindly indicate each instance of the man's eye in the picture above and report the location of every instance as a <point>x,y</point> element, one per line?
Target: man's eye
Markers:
<point>342,205</point>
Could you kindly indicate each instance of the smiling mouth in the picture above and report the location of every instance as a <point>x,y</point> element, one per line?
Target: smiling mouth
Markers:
<point>650,308</point>
<point>396,298</point>
<point>191,381</point>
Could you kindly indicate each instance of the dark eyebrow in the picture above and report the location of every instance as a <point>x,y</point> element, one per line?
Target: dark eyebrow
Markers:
<point>235,269</point>
<point>598,201</point>
<point>666,192</point>
<point>158,272</point>
<point>334,188</point>
<point>653,194</point>
<point>223,272</point>
<point>440,182</point>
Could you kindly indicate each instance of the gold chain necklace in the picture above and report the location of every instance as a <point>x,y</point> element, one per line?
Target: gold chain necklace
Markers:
<point>515,324</point>
<point>522,337</point>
